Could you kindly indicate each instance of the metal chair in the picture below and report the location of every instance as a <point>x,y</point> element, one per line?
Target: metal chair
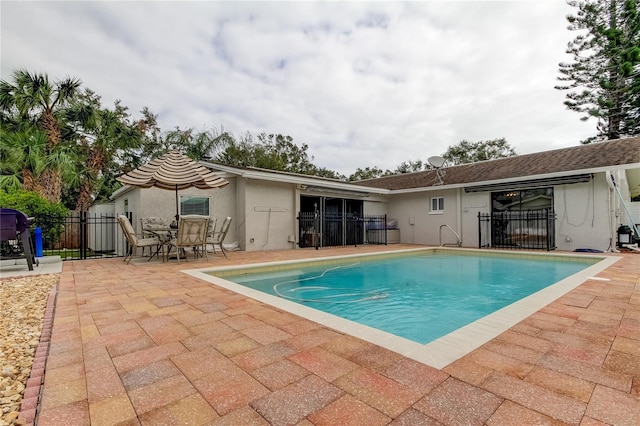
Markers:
<point>135,242</point>
<point>152,226</point>
<point>192,232</point>
<point>217,238</point>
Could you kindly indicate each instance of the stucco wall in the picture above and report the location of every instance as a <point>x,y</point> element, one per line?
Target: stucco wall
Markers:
<point>147,202</point>
<point>269,215</point>
<point>473,203</point>
<point>582,215</point>
<point>239,219</point>
<point>417,224</point>
<point>264,213</point>
<point>375,207</point>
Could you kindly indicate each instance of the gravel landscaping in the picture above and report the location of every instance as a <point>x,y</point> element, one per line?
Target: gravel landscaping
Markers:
<point>22,308</point>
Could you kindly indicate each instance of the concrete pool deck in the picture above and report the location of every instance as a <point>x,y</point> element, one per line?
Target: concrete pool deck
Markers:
<point>148,344</point>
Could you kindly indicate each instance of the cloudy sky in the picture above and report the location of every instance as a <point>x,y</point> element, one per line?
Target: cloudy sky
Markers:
<point>363,84</point>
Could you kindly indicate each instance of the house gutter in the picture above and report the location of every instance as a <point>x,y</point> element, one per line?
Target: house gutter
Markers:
<point>121,191</point>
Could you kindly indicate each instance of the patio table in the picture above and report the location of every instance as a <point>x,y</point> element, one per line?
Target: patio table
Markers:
<point>164,234</point>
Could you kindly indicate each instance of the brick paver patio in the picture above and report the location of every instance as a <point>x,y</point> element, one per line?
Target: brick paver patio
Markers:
<point>146,344</point>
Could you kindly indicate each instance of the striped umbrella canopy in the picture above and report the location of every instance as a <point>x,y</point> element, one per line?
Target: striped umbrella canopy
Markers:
<point>173,171</point>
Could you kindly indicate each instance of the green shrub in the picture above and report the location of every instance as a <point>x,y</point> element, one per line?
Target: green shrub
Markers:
<point>49,216</point>
<point>31,204</point>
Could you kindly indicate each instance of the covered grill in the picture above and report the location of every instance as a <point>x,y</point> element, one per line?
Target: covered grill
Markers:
<point>14,226</point>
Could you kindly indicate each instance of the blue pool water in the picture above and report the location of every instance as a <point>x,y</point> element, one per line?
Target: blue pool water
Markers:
<point>419,297</point>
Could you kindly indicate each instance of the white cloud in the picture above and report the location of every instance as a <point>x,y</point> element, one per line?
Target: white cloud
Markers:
<point>362,83</point>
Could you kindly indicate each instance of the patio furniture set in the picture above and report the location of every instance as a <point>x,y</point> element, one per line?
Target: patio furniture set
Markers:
<point>194,232</point>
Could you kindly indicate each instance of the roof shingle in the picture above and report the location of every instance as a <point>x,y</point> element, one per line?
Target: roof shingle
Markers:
<point>583,157</point>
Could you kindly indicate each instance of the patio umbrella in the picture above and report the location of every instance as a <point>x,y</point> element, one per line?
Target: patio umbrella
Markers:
<point>173,171</point>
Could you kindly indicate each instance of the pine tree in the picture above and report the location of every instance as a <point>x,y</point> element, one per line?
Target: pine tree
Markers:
<point>604,78</point>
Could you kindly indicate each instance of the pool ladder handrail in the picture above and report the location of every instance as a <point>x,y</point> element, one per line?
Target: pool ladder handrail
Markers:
<point>459,241</point>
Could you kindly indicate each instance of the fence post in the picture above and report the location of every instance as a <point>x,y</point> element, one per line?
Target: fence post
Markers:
<point>316,228</point>
<point>83,235</point>
<point>547,223</point>
<point>479,232</point>
<point>385,229</point>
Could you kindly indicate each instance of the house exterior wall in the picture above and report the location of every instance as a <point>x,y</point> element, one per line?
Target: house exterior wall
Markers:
<point>102,234</point>
<point>582,211</point>
<point>472,204</point>
<point>264,211</point>
<point>269,215</point>
<point>239,219</point>
<point>375,207</point>
<point>582,215</point>
<point>155,202</point>
<point>418,225</point>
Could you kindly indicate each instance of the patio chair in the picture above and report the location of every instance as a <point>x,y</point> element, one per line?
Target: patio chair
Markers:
<point>135,242</point>
<point>192,232</point>
<point>211,230</point>
<point>153,226</point>
<point>217,238</point>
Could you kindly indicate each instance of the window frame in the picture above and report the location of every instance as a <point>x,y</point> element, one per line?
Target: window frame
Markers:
<point>184,198</point>
<point>438,203</point>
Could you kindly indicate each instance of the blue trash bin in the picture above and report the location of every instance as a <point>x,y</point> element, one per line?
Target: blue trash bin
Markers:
<point>38,237</point>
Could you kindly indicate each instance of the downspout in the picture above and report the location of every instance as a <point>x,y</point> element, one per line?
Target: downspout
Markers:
<point>612,213</point>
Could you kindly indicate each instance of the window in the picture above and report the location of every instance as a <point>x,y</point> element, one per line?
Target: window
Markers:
<point>522,200</point>
<point>194,205</point>
<point>437,205</point>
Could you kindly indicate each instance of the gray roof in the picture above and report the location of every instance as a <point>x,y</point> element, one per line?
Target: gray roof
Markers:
<point>579,158</point>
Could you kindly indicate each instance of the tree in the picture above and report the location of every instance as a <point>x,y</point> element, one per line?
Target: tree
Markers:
<point>33,100</point>
<point>603,81</point>
<point>471,152</point>
<point>22,159</point>
<point>101,134</point>
<point>205,144</point>
<point>410,167</point>
<point>272,152</point>
<point>329,174</point>
<point>368,173</point>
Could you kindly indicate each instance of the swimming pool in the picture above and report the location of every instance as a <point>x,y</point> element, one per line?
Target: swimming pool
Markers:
<point>419,297</point>
<point>415,300</point>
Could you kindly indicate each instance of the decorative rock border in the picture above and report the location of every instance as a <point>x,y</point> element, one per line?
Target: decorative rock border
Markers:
<point>32,392</point>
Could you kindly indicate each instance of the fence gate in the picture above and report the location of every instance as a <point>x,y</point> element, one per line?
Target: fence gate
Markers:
<point>525,230</point>
<point>318,229</point>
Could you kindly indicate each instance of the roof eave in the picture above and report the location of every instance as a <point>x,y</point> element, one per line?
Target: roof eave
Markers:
<point>517,179</point>
<point>296,179</point>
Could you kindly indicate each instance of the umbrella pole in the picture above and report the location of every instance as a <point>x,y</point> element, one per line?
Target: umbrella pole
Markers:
<point>177,210</point>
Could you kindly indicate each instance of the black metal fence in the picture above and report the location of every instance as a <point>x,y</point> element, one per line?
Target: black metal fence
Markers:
<point>80,235</point>
<point>84,235</point>
<point>336,230</point>
<point>526,230</point>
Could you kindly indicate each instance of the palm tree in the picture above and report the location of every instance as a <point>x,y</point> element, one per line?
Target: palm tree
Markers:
<point>22,159</point>
<point>102,135</point>
<point>34,100</point>
<point>205,144</point>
